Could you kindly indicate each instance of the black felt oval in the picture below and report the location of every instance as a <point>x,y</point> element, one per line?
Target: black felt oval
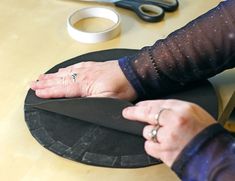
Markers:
<point>95,145</point>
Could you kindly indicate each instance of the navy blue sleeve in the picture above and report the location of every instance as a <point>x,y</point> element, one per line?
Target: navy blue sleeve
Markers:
<point>199,50</point>
<point>210,156</point>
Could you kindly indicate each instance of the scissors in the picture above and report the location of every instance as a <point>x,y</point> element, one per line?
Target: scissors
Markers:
<point>147,10</point>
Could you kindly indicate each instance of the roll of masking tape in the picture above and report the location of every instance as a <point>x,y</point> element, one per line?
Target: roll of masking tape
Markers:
<point>94,12</point>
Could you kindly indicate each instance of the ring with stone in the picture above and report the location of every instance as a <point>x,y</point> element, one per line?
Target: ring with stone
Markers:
<point>74,77</point>
<point>154,132</point>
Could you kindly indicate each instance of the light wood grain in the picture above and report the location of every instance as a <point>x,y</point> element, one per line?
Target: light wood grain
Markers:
<point>33,38</point>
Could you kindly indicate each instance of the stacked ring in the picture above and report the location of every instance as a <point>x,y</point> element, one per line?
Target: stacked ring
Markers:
<point>154,132</point>
<point>157,116</point>
<point>74,77</point>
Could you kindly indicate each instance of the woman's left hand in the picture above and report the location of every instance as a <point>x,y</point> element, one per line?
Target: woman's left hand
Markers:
<point>85,79</point>
<point>172,125</point>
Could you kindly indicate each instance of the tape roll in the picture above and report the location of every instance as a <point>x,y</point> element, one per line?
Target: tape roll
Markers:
<point>94,12</point>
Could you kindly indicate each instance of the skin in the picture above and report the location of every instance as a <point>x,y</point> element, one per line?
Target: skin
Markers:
<point>179,123</point>
<point>92,81</point>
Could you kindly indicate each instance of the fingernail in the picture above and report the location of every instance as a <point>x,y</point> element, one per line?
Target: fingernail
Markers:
<point>126,110</point>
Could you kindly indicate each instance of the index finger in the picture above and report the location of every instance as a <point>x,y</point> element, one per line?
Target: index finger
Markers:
<point>141,113</point>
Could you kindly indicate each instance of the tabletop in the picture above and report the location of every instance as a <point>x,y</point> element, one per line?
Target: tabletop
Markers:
<point>34,38</point>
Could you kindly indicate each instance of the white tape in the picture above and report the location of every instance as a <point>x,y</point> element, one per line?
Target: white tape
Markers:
<point>94,37</point>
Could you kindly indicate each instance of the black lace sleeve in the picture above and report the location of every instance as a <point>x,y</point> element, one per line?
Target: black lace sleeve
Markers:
<point>209,156</point>
<point>201,49</point>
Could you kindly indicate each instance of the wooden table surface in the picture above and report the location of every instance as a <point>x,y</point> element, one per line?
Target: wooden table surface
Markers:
<point>33,38</point>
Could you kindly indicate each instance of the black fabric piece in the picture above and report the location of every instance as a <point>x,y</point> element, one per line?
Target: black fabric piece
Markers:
<point>96,145</point>
<point>109,116</point>
<point>99,159</point>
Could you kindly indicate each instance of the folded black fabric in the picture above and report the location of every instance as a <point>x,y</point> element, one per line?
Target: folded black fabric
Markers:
<point>96,145</point>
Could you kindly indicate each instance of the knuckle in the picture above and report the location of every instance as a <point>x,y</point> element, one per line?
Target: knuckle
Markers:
<point>82,64</point>
<point>169,103</point>
<point>180,121</point>
<point>188,107</point>
<point>61,69</point>
<point>86,64</point>
<point>151,151</point>
<point>147,111</point>
<point>147,147</point>
<point>148,151</point>
<point>172,136</point>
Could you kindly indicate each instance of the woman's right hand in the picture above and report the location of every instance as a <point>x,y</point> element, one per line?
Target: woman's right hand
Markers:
<point>174,124</point>
<point>94,79</point>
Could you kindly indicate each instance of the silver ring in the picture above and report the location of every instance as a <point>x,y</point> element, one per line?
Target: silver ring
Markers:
<point>74,76</point>
<point>157,116</point>
<point>153,133</point>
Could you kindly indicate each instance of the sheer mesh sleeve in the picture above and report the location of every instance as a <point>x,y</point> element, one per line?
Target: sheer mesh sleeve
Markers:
<point>209,156</point>
<point>201,49</point>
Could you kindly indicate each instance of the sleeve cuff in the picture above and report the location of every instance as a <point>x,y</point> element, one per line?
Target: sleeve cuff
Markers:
<point>194,146</point>
<point>131,77</point>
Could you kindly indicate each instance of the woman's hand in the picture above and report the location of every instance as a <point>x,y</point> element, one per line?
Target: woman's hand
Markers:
<point>178,122</point>
<point>92,79</point>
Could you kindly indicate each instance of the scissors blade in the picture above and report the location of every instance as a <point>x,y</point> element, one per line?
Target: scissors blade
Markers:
<point>101,1</point>
<point>105,112</point>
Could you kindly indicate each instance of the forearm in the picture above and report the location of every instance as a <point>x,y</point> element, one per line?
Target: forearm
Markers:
<point>209,156</point>
<point>201,49</point>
